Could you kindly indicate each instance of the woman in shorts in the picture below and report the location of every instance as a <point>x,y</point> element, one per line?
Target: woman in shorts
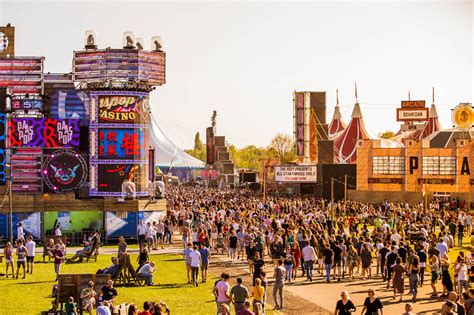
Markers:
<point>8,252</point>
<point>434,266</point>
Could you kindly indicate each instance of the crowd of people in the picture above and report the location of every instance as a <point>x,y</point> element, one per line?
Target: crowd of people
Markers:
<point>307,237</point>
<point>296,238</point>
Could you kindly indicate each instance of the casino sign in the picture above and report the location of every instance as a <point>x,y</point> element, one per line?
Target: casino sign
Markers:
<point>463,116</point>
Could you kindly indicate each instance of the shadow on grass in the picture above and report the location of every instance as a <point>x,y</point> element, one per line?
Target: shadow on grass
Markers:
<point>35,282</point>
<point>172,286</point>
<point>175,259</point>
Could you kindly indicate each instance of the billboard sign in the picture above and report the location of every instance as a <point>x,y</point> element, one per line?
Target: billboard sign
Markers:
<point>64,170</point>
<point>121,224</point>
<point>299,123</point>
<point>412,114</point>
<point>27,104</point>
<point>122,144</point>
<point>110,178</point>
<point>23,75</point>
<point>413,104</point>
<point>72,221</point>
<point>296,173</point>
<point>43,132</point>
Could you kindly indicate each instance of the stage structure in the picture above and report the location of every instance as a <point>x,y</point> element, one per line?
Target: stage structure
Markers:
<point>70,137</point>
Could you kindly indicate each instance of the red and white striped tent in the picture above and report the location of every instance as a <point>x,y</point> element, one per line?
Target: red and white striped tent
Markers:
<point>336,125</point>
<point>345,143</point>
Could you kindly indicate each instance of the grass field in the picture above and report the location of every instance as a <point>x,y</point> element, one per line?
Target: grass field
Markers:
<point>33,294</point>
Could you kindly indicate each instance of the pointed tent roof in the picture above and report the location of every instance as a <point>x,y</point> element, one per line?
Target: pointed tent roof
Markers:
<point>345,143</point>
<point>431,126</point>
<point>167,153</point>
<point>336,125</point>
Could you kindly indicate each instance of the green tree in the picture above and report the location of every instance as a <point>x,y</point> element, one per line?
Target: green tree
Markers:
<point>387,134</point>
<point>282,145</point>
<point>197,142</point>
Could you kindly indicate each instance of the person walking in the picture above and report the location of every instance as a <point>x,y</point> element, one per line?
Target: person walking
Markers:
<point>398,276</point>
<point>258,294</point>
<point>187,251</point>
<point>30,259</point>
<point>222,292</point>
<point>238,295</point>
<point>279,285</point>
<point>414,277</point>
<point>59,258</point>
<point>205,257</point>
<point>372,304</point>
<point>20,234</point>
<point>196,262</point>
<point>328,255</point>
<point>21,253</point>
<point>309,257</point>
<point>344,306</point>
<point>9,261</point>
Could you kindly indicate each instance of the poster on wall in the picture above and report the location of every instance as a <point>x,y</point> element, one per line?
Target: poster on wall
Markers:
<point>122,144</point>
<point>31,224</point>
<point>64,170</point>
<point>61,133</point>
<point>26,132</point>
<point>121,224</point>
<point>72,221</point>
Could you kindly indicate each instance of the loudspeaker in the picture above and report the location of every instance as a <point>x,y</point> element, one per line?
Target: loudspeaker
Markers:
<point>3,100</point>
<point>84,139</point>
<point>318,104</point>
<point>247,177</point>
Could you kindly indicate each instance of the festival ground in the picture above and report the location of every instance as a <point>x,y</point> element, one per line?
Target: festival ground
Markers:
<point>301,297</point>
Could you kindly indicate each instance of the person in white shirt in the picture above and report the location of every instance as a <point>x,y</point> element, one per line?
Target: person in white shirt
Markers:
<point>141,230</point>
<point>196,261</point>
<point>160,230</point>
<point>309,257</point>
<point>30,259</point>
<point>57,231</point>
<point>19,232</point>
<point>395,237</point>
<point>443,249</point>
<point>461,270</point>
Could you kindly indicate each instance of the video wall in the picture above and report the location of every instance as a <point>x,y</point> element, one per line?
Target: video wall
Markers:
<point>72,221</point>
<point>119,141</point>
<point>43,132</point>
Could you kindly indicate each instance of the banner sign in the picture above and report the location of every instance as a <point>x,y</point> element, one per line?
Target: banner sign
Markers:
<point>3,159</point>
<point>121,224</point>
<point>412,114</point>
<point>31,224</point>
<point>27,104</point>
<point>64,170</point>
<point>437,181</point>
<point>413,104</point>
<point>126,64</point>
<point>43,132</point>
<point>374,180</point>
<point>72,221</point>
<point>296,173</point>
<point>299,123</point>
<point>121,143</point>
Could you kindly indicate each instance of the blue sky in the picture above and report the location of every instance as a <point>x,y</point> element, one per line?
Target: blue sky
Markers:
<point>244,59</point>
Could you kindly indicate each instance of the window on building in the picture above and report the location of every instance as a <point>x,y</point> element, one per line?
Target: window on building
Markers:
<point>439,165</point>
<point>388,165</point>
